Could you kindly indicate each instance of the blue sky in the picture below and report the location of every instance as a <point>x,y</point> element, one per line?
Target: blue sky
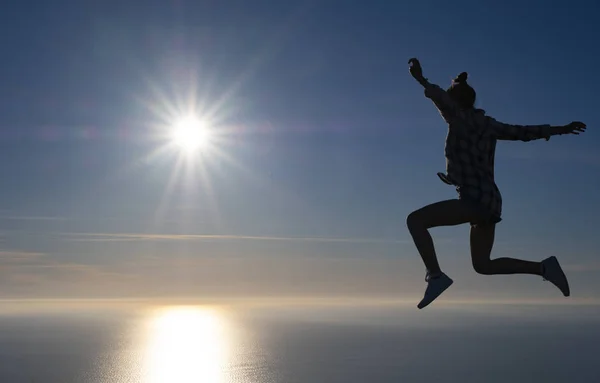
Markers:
<point>325,136</point>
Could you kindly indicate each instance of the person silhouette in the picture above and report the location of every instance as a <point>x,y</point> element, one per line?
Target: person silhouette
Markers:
<point>469,150</point>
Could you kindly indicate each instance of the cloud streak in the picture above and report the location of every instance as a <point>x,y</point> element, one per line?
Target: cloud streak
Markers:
<point>116,237</point>
<point>218,276</point>
<point>210,276</point>
<point>32,274</point>
<point>19,257</point>
<point>32,218</point>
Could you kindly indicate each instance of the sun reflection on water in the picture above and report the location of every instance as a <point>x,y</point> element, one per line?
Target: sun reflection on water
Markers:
<point>187,344</point>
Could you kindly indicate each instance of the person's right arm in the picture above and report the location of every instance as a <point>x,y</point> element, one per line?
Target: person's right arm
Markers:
<point>447,107</point>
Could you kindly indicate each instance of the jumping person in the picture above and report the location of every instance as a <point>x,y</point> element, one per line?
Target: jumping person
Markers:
<point>469,151</point>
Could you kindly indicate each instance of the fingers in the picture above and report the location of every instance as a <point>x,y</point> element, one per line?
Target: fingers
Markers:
<point>413,62</point>
<point>576,127</point>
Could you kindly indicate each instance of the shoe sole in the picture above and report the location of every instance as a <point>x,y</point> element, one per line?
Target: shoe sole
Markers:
<point>419,306</point>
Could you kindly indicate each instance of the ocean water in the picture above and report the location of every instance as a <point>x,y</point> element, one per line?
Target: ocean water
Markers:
<point>301,343</point>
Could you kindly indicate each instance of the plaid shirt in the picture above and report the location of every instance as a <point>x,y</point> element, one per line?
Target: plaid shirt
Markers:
<point>471,140</point>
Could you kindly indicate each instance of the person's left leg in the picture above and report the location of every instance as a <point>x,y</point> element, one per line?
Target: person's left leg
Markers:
<point>482,242</point>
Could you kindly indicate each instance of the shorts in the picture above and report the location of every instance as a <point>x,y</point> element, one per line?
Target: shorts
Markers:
<point>488,206</point>
<point>485,198</point>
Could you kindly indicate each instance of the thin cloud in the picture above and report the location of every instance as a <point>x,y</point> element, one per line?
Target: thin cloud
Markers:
<point>111,237</point>
<point>32,218</point>
<point>30,274</point>
<point>12,257</point>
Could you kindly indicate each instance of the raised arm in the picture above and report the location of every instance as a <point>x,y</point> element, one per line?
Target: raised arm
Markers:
<point>447,107</point>
<point>526,133</point>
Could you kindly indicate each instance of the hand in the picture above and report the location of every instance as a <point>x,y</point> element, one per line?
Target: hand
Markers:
<point>415,69</point>
<point>574,127</point>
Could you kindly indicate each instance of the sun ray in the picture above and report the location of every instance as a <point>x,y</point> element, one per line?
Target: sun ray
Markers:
<point>268,51</point>
<point>191,129</point>
<point>143,160</point>
<point>167,109</point>
<point>164,200</point>
<point>211,199</point>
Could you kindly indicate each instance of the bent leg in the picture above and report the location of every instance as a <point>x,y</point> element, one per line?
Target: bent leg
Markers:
<point>482,241</point>
<point>445,213</point>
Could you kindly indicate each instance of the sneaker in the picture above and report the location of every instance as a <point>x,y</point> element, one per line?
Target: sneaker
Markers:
<point>436,285</point>
<point>551,271</point>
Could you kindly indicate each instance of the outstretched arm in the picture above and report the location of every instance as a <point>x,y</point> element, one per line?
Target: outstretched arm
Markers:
<point>443,102</point>
<point>526,133</point>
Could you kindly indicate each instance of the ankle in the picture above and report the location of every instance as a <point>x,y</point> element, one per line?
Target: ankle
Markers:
<point>434,273</point>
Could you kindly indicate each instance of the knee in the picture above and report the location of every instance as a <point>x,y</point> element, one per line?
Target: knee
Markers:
<point>413,221</point>
<point>482,267</point>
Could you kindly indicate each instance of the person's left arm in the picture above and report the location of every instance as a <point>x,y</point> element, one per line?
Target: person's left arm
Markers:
<point>526,133</point>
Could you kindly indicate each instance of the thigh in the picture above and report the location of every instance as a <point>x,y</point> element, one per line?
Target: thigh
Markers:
<point>445,213</point>
<point>482,242</point>
<point>485,200</point>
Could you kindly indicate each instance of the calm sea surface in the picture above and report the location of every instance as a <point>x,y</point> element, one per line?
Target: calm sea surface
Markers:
<point>473,343</point>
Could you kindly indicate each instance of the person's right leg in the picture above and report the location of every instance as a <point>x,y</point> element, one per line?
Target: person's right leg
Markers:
<point>444,213</point>
<point>482,241</point>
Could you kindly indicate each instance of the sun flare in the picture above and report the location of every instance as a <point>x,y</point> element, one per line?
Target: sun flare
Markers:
<point>191,134</point>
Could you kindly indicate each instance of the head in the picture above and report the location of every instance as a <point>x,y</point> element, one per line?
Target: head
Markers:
<point>462,92</point>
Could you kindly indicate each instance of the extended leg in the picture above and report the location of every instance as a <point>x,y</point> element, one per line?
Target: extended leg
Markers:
<point>482,241</point>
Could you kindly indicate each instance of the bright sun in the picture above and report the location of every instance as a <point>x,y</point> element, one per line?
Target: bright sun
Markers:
<point>191,134</point>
